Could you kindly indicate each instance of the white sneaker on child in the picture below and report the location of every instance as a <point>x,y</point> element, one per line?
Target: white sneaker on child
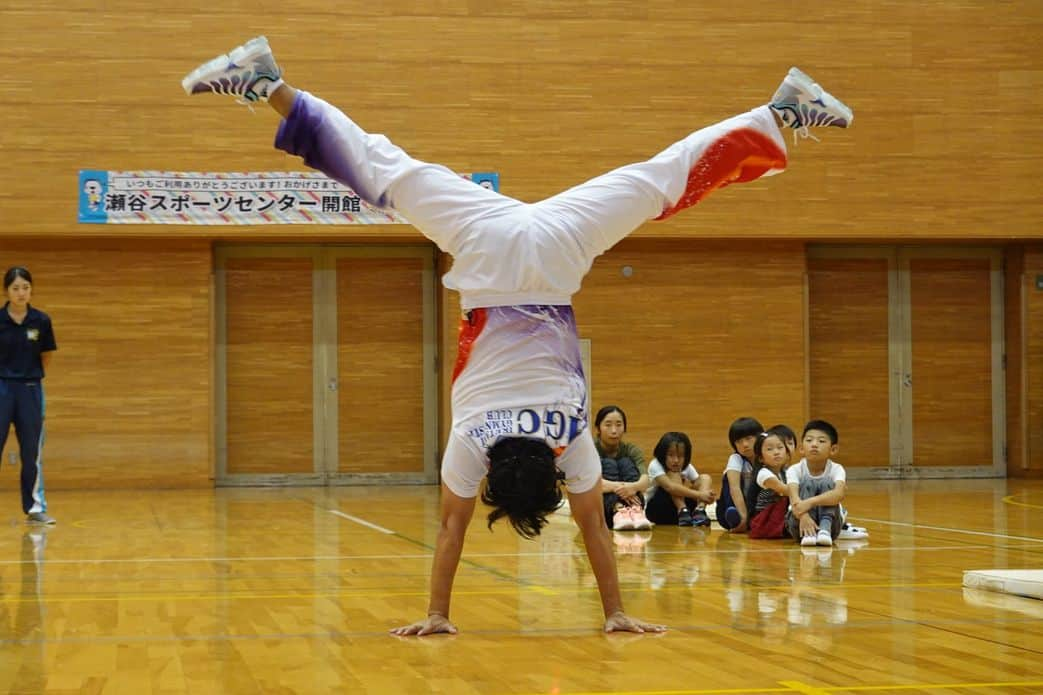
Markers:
<point>852,533</point>
<point>810,540</point>
<point>824,537</point>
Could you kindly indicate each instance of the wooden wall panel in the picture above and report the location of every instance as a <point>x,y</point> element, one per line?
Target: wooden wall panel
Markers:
<point>1033,360</point>
<point>848,328</point>
<point>1014,333</point>
<point>946,141</point>
<point>128,391</point>
<point>269,362</point>
<point>952,362</point>
<point>380,358</point>
<point>698,335</point>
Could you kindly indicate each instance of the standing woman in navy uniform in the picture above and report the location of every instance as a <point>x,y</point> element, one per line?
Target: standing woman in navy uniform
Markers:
<point>26,344</point>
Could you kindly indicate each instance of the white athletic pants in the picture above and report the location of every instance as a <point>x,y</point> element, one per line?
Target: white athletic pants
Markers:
<point>440,203</point>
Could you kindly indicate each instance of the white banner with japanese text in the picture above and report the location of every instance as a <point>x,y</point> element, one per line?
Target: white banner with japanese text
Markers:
<point>176,197</point>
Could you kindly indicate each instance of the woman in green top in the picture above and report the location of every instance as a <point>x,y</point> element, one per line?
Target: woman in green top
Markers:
<point>623,477</point>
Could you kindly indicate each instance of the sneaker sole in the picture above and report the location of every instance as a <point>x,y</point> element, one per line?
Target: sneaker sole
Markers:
<point>812,87</point>
<point>852,536</point>
<point>211,69</point>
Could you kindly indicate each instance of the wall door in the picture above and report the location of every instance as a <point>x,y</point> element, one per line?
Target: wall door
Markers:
<point>326,365</point>
<point>906,356</point>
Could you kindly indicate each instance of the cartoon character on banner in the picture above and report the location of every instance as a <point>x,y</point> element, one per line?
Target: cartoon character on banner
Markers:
<point>93,188</point>
<point>487,180</point>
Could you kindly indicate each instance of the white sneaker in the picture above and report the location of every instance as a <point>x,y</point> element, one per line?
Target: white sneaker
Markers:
<point>40,518</point>
<point>823,537</point>
<point>806,541</point>
<point>248,72</point>
<point>852,533</point>
<point>801,104</point>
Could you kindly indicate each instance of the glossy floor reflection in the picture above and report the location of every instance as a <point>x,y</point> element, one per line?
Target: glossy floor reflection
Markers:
<point>293,590</point>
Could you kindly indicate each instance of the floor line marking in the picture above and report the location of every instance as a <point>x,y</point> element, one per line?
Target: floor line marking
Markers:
<point>1009,499</point>
<point>711,691</point>
<point>362,522</point>
<point>933,686</point>
<point>953,530</point>
<point>468,562</point>
<point>253,596</point>
<point>381,593</point>
<point>804,688</point>
<point>796,686</point>
<point>424,556</point>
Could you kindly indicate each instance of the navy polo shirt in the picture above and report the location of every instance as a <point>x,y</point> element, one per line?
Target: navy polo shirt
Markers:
<point>22,343</point>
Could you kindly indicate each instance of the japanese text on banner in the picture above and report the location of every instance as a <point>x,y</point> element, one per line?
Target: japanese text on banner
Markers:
<point>164,197</point>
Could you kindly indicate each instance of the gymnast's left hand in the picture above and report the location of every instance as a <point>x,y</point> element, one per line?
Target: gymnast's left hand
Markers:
<point>621,622</point>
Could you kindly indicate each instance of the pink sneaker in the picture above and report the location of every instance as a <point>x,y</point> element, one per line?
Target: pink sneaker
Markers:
<point>622,521</point>
<point>638,518</point>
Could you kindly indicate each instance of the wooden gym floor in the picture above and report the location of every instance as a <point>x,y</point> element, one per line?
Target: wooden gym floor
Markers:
<point>293,591</point>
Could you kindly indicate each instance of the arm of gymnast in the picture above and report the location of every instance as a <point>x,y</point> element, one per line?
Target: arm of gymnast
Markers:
<point>456,515</point>
<point>588,511</point>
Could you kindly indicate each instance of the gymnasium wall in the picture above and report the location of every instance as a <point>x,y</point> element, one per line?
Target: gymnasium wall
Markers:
<point>947,100</point>
<point>699,334</point>
<point>128,390</point>
<point>1031,407</point>
<point>946,147</point>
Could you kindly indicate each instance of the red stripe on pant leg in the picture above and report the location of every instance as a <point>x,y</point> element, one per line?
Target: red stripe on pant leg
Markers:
<point>471,327</point>
<point>739,156</point>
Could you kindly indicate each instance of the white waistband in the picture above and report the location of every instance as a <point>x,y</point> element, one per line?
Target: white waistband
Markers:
<point>476,300</point>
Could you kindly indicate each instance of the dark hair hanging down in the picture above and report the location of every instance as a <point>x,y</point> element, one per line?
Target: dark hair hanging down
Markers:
<point>662,448</point>
<point>14,273</point>
<point>605,412</point>
<point>522,484</point>
<point>742,428</point>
